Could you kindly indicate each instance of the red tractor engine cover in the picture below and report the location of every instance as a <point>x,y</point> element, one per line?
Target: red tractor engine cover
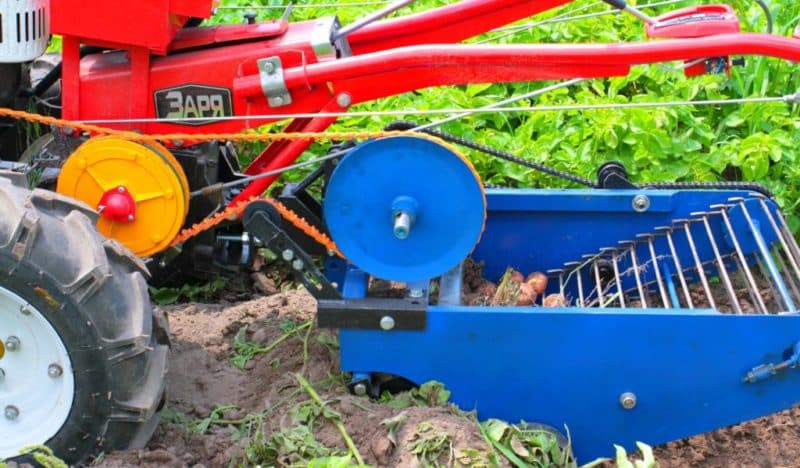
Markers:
<point>150,24</point>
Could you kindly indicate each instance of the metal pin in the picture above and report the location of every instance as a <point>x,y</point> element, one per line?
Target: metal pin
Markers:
<point>723,272</point>
<point>578,279</point>
<point>767,258</point>
<point>620,292</point>
<point>678,267</point>
<point>743,260</point>
<point>699,266</point>
<point>599,285</point>
<point>661,288</point>
<point>636,272</point>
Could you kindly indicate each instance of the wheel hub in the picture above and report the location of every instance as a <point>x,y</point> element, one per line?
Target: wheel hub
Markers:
<point>36,381</point>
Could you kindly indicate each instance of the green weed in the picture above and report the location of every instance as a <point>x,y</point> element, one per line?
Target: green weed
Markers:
<point>245,350</point>
<point>428,394</point>
<point>430,444</point>
<point>206,292</point>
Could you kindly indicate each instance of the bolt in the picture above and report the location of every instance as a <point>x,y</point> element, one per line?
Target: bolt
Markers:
<point>121,189</point>
<point>54,370</point>
<point>402,225</point>
<point>25,310</point>
<point>627,400</point>
<point>130,217</point>
<point>12,343</point>
<point>269,67</point>
<point>344,100</point>
<point>101,208</point>
<point>12,412</point>
<point>416,293</point>
<point>360,389</point>
<point>288,254</point>
<point>276,101</point>
<point>297,264</point>
<point>387,322</point>
<point>162,264</point>
<point>641,203</point>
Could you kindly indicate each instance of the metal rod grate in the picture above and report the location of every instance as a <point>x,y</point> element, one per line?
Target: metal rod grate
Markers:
<point>738,257</point>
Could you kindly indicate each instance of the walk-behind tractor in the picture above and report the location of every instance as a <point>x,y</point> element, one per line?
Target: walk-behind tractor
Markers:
<point>661,310</point>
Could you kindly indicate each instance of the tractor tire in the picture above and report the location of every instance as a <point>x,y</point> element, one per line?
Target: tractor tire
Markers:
<point>83,354</point>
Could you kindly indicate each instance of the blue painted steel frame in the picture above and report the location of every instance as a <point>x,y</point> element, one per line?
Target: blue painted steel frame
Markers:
<point>569,365</point>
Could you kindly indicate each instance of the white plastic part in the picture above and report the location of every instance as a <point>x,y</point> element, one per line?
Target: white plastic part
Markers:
<point>24,29</point>
<point>37,384</point>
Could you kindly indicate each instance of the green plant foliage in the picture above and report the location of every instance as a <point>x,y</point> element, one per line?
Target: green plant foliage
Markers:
<point>528,445</point>
<point>428,394</point>
<point>206,292</point>
<point>647,461</point>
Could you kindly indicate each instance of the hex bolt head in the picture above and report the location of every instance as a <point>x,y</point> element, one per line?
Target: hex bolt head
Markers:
<point>360,389</point>
<point>287,255</point>
<point>344,100</point>
<point>387,322</point>
<point>627,400</point>
<point>416,293</point>
<point>297,264</point>
<point>269,67</point>
<point>12,343</point>
<point>11,412</point>
<point>130,217</point>
<point>54,371</point>
<point>640,203</point>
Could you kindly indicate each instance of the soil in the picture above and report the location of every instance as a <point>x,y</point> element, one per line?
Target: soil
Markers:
<point>201,377</point>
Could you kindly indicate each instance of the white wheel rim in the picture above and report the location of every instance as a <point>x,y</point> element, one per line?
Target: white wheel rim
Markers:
<point>35,398</point>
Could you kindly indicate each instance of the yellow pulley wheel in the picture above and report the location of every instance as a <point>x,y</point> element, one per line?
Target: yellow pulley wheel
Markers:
<point>139,190</point>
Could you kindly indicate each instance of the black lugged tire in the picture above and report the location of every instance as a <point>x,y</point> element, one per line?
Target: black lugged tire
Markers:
<point>92,290</point>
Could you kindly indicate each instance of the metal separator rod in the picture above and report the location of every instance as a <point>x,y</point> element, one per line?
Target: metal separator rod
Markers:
<point>741,257</point>
<point>385,11</point>
<point>767,258</point>
<point>723,272</point>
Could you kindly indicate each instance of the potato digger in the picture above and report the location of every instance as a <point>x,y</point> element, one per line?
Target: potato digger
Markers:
<point>676,303</point>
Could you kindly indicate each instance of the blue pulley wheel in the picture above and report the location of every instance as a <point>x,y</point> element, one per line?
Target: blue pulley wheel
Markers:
<point>404,208</point>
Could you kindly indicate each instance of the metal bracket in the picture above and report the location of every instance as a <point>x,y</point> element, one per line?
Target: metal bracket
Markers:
<point>272,82</point>
<point>765,371</point>
<point>324,42</point>
<point>372,313</point>
<point>261,222</point>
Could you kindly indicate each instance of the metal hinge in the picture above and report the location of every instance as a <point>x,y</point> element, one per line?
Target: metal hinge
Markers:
<point>272,82</point>
<point>765,371</point>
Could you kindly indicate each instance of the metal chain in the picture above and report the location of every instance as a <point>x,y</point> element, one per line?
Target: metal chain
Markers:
<point>406,125</point>
<point>235,211</point>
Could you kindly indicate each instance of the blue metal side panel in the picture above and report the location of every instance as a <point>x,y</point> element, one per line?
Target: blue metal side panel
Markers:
<point>570,366</point>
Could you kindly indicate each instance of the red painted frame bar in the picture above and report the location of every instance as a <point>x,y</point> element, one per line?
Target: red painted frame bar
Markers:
<point>447,24</point>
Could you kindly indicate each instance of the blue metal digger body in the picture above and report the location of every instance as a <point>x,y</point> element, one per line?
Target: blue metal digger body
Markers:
<point>569,366</point>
